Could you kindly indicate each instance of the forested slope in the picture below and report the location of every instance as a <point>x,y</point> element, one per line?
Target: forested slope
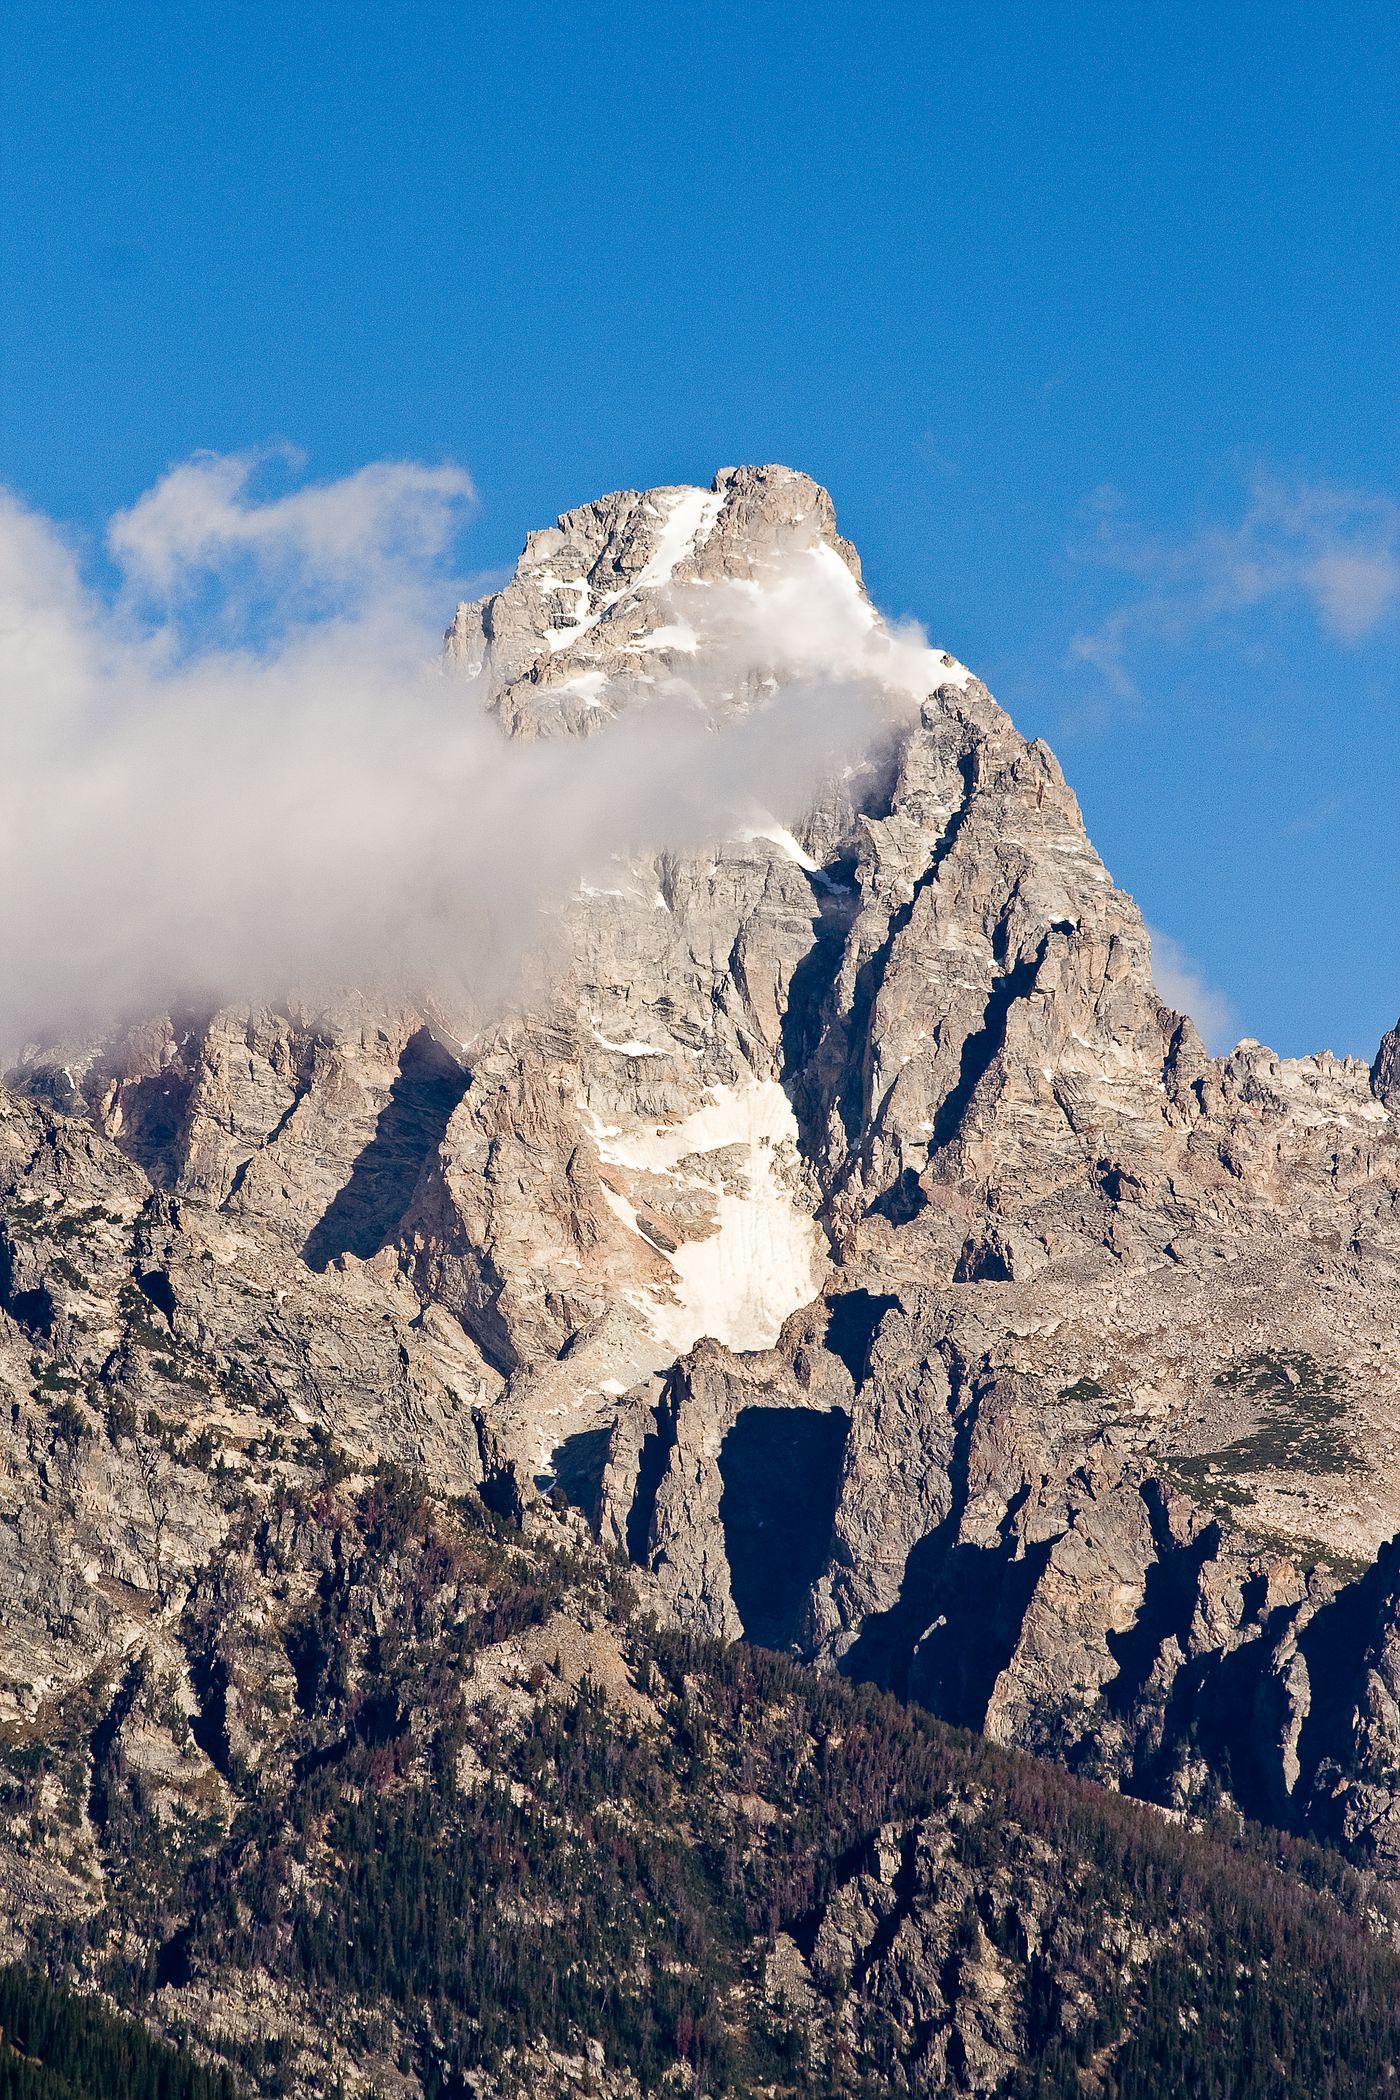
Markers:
<point>487,1827</point>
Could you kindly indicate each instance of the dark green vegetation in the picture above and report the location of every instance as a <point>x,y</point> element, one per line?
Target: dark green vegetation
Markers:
<point>1299,1408</point>
<point>498,1813</point>
<point>55,2045</point>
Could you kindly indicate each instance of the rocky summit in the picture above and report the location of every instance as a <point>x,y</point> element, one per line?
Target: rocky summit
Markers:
<point>837,1242</point>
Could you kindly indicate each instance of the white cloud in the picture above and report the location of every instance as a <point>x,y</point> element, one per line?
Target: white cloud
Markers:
<point>200,519</point>
<point>1180,983</point>
<point>243,771</point>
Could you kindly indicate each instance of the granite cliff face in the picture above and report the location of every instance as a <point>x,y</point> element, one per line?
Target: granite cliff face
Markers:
<point>846,1228</point>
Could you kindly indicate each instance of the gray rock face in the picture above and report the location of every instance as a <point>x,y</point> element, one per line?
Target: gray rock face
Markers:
<point>848,1227</point>
<point>908,1924</point>
<point>591,615</point>
<point>1385,1072</point>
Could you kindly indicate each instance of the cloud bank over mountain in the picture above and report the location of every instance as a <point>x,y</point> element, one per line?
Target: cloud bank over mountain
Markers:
<point>236,767</point>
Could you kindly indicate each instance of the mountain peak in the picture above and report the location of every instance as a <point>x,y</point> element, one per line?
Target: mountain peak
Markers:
<point>606,601</point>
<point>835,1217</point>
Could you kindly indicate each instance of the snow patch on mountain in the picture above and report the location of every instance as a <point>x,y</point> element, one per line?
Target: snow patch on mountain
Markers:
<point>763,1258</point>
<point>689,520</point>
<point>778,835</point>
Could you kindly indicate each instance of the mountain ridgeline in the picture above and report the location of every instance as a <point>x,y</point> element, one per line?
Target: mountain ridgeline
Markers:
<point>647,1543</point>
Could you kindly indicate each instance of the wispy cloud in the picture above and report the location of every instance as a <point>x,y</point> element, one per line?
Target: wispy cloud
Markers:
<point>1179,980</point>
<point>1317,818</point>
<point>1331,553</point>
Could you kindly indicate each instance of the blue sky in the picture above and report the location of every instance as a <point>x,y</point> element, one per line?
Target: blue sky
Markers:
<point>1088,317</point>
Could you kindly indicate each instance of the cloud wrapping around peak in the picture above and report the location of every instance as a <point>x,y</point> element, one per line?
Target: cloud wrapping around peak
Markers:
<point>241,771</point>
